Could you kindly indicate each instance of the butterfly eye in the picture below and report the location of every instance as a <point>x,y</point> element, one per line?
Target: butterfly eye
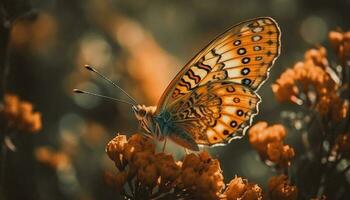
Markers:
<point>142,113</point>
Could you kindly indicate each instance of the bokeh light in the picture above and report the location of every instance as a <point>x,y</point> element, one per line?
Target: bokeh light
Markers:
<point>313,29</point>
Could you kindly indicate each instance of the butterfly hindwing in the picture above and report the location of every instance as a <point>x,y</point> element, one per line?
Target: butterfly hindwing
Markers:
<point>216,112</point>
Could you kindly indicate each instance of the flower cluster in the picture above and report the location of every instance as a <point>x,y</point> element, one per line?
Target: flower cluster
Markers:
<point>314,84</point>
<point>310,74</point>
<point>323,88</point>
<point>56,160</point>
<point>145,174</point>
<point>268,141</point>
<point>19,114</point>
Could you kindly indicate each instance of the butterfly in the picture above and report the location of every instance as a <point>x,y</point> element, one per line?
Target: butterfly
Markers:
<point>213,99</point>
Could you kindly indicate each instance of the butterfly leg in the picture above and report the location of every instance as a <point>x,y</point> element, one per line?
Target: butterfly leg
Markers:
<point>186,151</point>
<point>164,144</point>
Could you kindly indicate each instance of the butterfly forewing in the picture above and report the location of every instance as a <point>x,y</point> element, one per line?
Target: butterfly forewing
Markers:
<point>200,99</point>
<point>243,54</point>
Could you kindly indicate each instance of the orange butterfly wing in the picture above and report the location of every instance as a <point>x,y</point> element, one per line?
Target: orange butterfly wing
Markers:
<point>254,43</point>
<point>201,99</point>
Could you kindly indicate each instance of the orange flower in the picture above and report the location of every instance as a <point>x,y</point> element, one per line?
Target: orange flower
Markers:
<point>138,143</point>
<point>285,88</point>
<point>311,73</point>
<point>11,106</point>
<point>341,44</point>
<point>268,142</point>
<point>336,38</point>
<point>202,176</point>
<point>56,160</point>
<point>260,135</point>
<point>148,175</point>
<point>168,169</point>
<point>239,188</point>
<point>115,149</point>
<point>280,154</point>
<point>117,181</point>
<point>19,114</point>
<point>280,188</point>
<point>318,56</point>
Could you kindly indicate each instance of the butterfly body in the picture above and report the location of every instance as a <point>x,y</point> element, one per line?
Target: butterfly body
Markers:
<point>161,126</point>
<point>213,99</point>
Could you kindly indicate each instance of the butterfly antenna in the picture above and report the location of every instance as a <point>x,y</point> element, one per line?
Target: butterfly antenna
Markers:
<point>88,67</point>
<point>101,96</point>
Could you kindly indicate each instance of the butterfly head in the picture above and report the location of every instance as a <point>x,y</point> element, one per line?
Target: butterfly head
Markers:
<point>144,114</point>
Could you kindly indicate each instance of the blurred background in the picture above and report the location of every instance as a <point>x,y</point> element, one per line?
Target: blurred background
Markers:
<point>141,45</point>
